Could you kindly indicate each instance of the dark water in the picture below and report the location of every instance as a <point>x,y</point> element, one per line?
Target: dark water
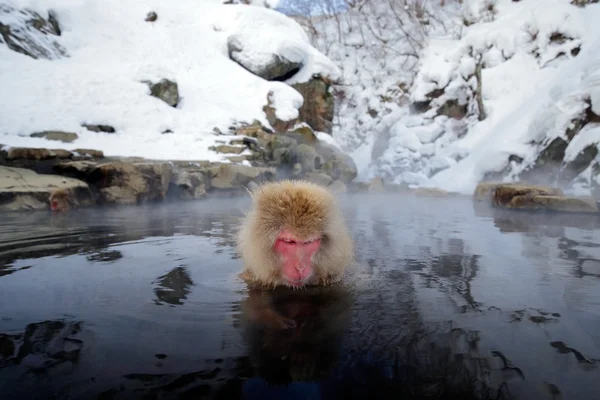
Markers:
<point>448,301</point>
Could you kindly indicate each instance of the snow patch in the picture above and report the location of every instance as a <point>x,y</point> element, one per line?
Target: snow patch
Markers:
<point>113,50</point>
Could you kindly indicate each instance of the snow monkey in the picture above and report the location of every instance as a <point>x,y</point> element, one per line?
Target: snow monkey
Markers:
<point>61,200</point>
<point>294,235</point>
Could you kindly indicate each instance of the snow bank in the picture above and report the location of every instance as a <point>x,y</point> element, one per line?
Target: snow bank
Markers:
<point>113,50</point>
<point>539,70</point>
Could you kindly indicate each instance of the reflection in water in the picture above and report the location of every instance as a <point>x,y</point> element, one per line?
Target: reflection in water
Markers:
<point>446,302</point>
<point>173,287</point>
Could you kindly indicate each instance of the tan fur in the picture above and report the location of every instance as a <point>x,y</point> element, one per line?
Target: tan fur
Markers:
<point>64,198</point>
<point>305,209</point>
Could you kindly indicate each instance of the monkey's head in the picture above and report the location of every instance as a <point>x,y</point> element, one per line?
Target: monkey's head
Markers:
<point>286,232</point>
<point>60,200</point>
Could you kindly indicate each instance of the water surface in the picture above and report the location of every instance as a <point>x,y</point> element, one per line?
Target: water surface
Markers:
<point>447,301</point>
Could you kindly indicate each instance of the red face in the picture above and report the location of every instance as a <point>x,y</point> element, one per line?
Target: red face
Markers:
<point>296,257</point>
<point>54,205</point>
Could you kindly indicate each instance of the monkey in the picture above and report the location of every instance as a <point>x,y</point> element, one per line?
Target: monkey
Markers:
<point>61,200</point>
<point>295,236</point>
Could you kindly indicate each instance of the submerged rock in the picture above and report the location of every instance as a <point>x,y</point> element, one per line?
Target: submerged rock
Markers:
<point>24,189</point>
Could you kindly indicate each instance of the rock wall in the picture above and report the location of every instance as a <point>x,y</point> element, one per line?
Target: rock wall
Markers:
<point>29,176</point>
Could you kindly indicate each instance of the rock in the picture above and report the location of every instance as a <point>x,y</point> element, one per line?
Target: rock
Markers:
<point>336,164</point>
<point>483,190</point>
<point>99,128</point>
<point>224,148</point>
<point>165,90</point>
<point>24,189</point>
<point>274,67</point>
<point>28,33</point>
<point>65,137</point>
<point>254,130</point>
<point>376,185</point>
<point>28,153</point>
<point>281,156</point>
<point>501,195</point>
<point>338,187</point>
<point>280,142</point>
<point>88,153</point>
<point>430,192</point>
<point>318,108</point>
<point>230,176</point>
<point>280,126</point>
<point>190,184</point>
<point>453,109</point>
<point>303,133</point>
<point>554,203</point>
<point>122,182</point>
<point>307,157</point>
<point>151,17</point>
<point>318,178</point>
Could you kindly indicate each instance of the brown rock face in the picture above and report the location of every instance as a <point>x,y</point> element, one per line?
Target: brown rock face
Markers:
<point>318,108</point>
<point>122,182</point>
<point>502,195</point>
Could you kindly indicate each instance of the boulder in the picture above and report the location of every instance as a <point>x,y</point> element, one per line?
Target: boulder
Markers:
<point>36,154</point>
<point>166,90</point>
<point>483,190</point>
<point>303,133</point>
<point>318,108</point>
<point>230,176</point>
<point>24,189</point>
<point>151,17</point>
<point>307,157</point>
<point>65,137</point>
<point>122,182</point>
<point>336,164</point>
<point>501,195</point>
<point>318,178</point>
<point>553,203</point>
<point>27,32</point>
<point>189,184</point>
<point>273,67</point>
<point>99,128</point>
<point>280,126</point>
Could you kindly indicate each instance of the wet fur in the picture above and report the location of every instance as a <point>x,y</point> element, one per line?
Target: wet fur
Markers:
<point>64,198</point>
<point>304,209</point>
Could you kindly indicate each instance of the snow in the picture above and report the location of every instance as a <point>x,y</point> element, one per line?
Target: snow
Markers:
<point>112,51</point>
<point>541,70</point>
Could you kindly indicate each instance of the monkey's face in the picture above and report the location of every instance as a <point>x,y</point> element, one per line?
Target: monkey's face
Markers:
<point>59,204</point>
<point>296,254</point>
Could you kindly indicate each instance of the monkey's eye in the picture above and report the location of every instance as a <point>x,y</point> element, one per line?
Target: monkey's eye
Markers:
<point>288,241</point>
